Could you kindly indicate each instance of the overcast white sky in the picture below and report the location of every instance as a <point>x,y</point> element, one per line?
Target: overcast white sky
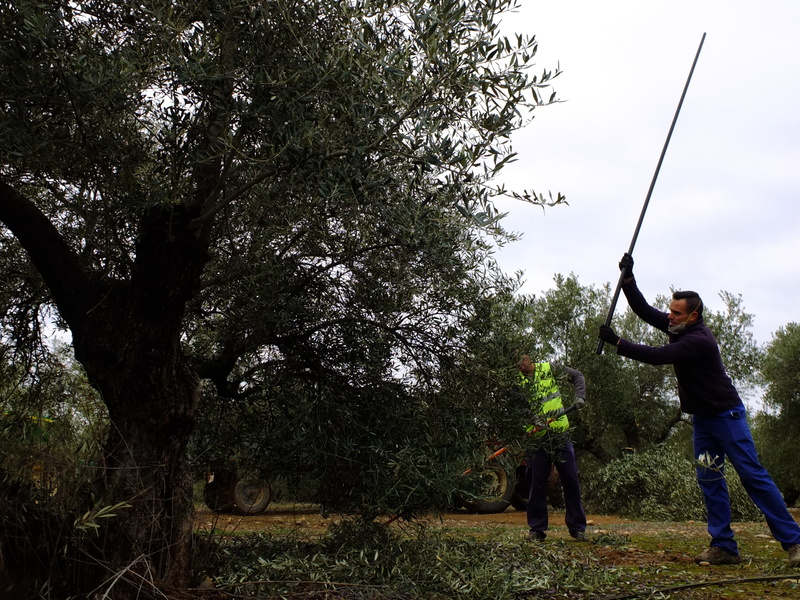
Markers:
<point>724,211</point>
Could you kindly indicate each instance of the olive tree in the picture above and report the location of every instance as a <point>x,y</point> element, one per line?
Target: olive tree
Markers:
<point>776,427</point>
<point>252,197</point>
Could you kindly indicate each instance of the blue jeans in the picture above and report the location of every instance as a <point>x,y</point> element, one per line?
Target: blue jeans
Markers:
<point>538,466</point>
<point>727,435</point>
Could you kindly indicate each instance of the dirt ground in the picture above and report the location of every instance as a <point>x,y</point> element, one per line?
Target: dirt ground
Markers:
<point>301,516</point>
<point>304,516</point>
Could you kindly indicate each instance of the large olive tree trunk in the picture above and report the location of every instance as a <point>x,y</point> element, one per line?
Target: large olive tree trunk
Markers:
<point>130,348</point>
<point>146,467</point>
<point>152,398</point>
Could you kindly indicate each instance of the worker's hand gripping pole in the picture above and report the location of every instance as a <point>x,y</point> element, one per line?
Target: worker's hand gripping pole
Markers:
<point>624,273</point>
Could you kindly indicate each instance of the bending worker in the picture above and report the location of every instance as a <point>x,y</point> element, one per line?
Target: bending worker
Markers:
<point>553,447</point>
<point>719,421</point>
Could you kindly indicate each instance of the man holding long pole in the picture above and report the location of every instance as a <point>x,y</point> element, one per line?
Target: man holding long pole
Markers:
<point>719,420</point>
<point>650,189</point>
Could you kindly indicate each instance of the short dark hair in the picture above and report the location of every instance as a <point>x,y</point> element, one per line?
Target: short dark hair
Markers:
<point>693,301</point>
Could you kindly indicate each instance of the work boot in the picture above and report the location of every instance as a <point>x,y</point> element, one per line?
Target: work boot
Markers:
<point>536,536</point>
<point>714,555</point>
<point>579,536</point>
<point>794,555</point>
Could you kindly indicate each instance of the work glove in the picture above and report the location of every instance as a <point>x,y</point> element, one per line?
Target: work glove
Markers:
<point>626,264</point>
<point>538,422</point>
<point>608,336</point>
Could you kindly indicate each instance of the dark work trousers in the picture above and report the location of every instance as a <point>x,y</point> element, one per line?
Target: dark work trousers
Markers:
<point>538,465</point>
<point>727,435</point>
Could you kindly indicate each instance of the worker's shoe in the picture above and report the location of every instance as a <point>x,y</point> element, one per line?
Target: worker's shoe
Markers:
<point>579,536</point>
<point>794,555</point>
<point>536,536</point>
<point>714,555</point>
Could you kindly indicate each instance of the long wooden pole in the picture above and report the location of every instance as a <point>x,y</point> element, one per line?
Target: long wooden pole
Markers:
<point>624,272</point>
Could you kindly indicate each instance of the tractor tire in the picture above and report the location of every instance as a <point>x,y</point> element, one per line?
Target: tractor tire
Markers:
<point>499,490</point>
<point>227,492</point>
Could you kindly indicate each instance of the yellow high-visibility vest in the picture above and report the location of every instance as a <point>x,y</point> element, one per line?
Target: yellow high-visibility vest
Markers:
<point>544,395</point>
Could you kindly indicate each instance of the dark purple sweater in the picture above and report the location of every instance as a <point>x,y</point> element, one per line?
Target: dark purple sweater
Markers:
<point>704,387</point>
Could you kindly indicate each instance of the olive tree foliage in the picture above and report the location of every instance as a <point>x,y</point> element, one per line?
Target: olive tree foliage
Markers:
<point>741,354</point>
<point>281,204</point>
<point>495,343</point>
<point>776,427</point>
<point>51,430</point>
<point>659,484</point>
